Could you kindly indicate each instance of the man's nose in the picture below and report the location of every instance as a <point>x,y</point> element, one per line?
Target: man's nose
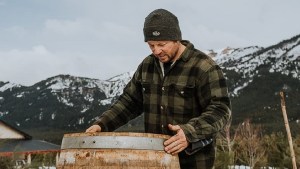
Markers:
<point>156,50</point>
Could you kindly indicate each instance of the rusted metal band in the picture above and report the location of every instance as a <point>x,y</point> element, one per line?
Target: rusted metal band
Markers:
<point>113,142</point>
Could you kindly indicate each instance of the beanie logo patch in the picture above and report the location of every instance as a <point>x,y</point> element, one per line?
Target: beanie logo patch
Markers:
<point>155,33</point>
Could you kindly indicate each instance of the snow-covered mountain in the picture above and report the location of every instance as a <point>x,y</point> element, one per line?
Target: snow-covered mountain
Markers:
<point>254,74</point>
<point>283,58</point>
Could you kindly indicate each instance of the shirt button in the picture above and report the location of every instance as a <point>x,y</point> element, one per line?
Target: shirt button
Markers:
<point>163,88</point>
<point>161,107</point>
<point>162,126</point>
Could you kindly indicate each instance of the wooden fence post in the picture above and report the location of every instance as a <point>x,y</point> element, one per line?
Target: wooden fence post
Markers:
<point>287,127</point>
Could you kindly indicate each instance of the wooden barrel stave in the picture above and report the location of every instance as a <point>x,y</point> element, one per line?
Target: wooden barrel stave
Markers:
<point>95,158</point>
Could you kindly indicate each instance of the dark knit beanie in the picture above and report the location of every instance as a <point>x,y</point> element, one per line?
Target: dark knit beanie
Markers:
<point>161,25</point>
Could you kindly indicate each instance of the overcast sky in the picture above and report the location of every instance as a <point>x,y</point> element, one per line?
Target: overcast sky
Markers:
<point>103,38</point>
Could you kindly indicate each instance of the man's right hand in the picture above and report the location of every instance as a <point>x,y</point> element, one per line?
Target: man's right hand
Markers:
<point>93,129</point>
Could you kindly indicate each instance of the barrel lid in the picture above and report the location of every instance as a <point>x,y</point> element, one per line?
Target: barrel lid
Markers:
<point>114,140</point>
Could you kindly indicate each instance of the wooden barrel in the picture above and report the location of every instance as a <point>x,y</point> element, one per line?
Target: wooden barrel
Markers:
<point>115,150</point>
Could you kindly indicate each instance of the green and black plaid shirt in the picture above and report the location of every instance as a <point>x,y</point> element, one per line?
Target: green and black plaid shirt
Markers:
<point>192,94</point>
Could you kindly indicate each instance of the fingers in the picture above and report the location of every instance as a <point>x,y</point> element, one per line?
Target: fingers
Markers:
<point>175,146</point>
<point>177,149</point>
<point>93,129</point>
<point>174,127</point>
<point>176,143</point>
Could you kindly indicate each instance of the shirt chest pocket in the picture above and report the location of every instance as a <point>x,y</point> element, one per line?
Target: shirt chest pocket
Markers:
<point>184,91</point>
<point>182,98</point>
<point>150,93</point>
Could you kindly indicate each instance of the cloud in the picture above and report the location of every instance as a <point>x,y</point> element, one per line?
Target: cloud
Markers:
<point>206,37</point>
<point>80,47</point>
<point>64,27</point>
<point>23,65</point>
<point>103,39</point>
<point>30,66</point>
<point>86,29</point>
<point>16,31</point>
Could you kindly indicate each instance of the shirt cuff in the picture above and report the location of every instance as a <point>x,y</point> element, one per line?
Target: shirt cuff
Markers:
<point>195,147</point>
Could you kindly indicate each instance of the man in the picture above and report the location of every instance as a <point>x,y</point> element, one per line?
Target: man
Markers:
<point>181,91</point>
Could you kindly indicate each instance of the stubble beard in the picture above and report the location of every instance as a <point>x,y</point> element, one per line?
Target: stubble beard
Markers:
<point>171,58</point>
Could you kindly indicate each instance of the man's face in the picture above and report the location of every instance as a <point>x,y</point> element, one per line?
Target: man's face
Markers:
<point>165,51</point>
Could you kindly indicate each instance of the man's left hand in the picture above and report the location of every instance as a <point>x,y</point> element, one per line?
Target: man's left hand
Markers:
<point>176,143</point>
